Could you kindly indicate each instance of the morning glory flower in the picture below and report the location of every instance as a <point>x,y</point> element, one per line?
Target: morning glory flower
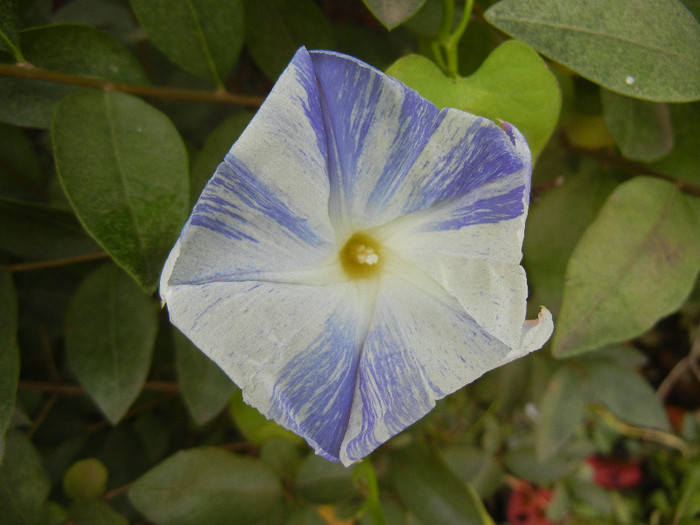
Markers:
<point>357,255</point>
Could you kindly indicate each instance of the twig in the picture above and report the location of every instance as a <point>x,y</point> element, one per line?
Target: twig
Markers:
<point>25,70</point>
<point>40,265</point>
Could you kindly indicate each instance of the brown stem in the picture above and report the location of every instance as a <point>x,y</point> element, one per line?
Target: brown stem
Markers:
<point>221,96</point>
<point>40,265</point>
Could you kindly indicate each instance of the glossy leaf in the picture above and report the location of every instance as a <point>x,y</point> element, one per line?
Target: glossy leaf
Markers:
<point>123,167</point>
<point>432,491</point>
<point>110,332</point>
<point>203,37</point>
<point>629,269</point>
<point>66,48</point>
<point>561,411</point>
<point>37,232</point>
<point>205,388</point>
<point>207,485</point>
<point>321,481</point>
<point>625,393</point>
<point>555,223</point>
<point>646,49</point>
<point>689,504</point>
<point>641,129</point>
<point>24,484</point>
<point>9,355</point>
<point>393,13</point>
<point>513,84</point>
<point>277,28</point>
<point>9,35</point>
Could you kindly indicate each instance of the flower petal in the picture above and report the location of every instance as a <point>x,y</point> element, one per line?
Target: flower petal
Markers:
<point>292,349</point>
<point>421,346</point>
<point>257,214</point>
<point>376,128</point>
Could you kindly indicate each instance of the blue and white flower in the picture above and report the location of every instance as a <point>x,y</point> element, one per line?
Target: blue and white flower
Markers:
<point>356,256</point>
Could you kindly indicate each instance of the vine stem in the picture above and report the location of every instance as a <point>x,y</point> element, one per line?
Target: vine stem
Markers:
<point>648,434</point>
<point>447,41</point>
<point>220,96</point>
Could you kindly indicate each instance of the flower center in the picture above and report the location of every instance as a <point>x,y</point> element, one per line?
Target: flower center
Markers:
<point>361,256</point>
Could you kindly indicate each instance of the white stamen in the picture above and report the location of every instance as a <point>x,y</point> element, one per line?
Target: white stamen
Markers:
<point>365,255</point>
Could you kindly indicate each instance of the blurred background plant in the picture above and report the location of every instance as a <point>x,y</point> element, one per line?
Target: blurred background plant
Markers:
<point>122,109</point>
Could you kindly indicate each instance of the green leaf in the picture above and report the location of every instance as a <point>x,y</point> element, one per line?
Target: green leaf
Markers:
<point>9,355</point>
<point>641,129</point>
<point>513,84</point>
<point>205,388</point>
<point>321,481</point>
<point>646,49</point>
<point>214,149</point>
<point>9,35</point>
<point>682,161</point>
<point>21,173</point>
<point>555,223</point>
<point>393,13</point>
<point>123,166</point>
<point>474,466</point>
<point>689,502</point>
<point>277,28</point>
<point>523,463</point>
<point>203,37</point>
<point>625,393</point>
<point>562,409</point>
<point>37,232</point>
<point>253,425</point>
<point>92,511</point>
<point>65,48</point>
<point>24,484</point>
<point>432,491</point>
<point>207,485</point>
<point>636,263</point>
<point>110,332</point>
<point>114,18</point>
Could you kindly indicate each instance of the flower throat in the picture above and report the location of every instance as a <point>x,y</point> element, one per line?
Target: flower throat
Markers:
<point>361,256</point>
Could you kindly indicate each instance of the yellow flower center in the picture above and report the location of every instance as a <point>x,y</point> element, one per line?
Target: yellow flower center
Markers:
<point>361,256</point>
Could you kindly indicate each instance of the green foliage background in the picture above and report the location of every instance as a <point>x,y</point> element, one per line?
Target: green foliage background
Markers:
<point>114,113</point>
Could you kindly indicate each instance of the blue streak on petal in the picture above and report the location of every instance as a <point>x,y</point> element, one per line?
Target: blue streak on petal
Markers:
<point>484,211</point>
<point>233,194</point>
<point>419,119</point>
<point>482,156</point>
<point>313,394</point>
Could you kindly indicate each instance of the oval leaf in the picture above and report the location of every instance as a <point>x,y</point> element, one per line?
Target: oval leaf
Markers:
<point>392,13</point>
<point>9,355</point>
<point>626,393</point>
<point>641,129</point>
<point>646,49</point>
<point>321,481</point>
<point>24,484</point>
<point>432,491</point>
<point>513,84</point>
<point>123,166</point>
<point>205,388</point>
<point>636,263</point>
<point>562,409</point>
<point>66,48</point>
<point>207,485</point>
<point>38,232</point>
<point>203,37</point>
<point>110,332</point>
